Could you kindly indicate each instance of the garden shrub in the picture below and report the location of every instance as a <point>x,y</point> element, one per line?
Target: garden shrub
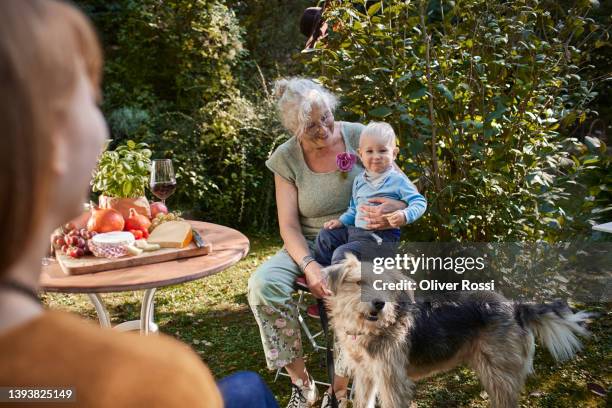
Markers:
<point>170,81</point>
<point>272,36</point>
<point>509,83</point>
<point>481,95</point>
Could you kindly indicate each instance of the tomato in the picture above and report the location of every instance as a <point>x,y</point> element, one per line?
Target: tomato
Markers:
<point>138,234</point>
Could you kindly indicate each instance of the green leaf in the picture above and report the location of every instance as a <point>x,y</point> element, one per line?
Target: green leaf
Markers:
<point>424,120</point>
<point>405,118</point>
<point>381,111</point>
<point>374,8</point>
<point>131,144</point>
<point>127,188</point>
<point>475,123</point>
<point>418,94</point>
<point>444,90</point>
<point>592,160</point>
<point>498,113</point>
<point>593,143</point>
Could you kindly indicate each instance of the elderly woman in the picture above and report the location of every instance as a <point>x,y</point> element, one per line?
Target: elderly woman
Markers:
<point>310,190</point>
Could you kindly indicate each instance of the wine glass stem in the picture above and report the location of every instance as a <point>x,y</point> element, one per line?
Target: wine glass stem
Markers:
<point>163,201</point>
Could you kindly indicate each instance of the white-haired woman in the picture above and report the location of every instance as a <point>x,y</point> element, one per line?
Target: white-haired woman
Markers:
<point>310,190</point>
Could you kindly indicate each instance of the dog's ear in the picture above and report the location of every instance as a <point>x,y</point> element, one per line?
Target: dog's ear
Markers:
<point>348,270</point>
<point>335,275</point>
<point>352,268</point>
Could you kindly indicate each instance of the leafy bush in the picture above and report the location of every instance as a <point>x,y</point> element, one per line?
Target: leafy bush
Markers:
<point>128,121</point>
<point>223,177</point>
<point>170,82</point>
<point>272,36</point>
<point>480,94</point>
<point>163,55</point>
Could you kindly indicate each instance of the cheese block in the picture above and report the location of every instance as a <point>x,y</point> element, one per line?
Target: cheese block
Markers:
<point>171,234</point>
<point>111,244</point>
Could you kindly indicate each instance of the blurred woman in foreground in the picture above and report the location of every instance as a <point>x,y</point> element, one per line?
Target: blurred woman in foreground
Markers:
<point>52,133</point>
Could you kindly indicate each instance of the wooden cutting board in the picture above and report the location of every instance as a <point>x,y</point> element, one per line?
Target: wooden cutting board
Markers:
<point>92,264</point>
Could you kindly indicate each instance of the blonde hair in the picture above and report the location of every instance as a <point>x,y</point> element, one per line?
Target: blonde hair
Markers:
<point>42,43</point>
<point>380,130</point>
<point>295,99</point>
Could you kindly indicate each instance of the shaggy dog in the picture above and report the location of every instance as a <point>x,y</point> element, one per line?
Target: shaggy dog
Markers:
<point>389,345</point>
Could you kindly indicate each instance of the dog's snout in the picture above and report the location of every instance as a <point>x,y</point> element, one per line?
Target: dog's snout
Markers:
<point>378,304</point>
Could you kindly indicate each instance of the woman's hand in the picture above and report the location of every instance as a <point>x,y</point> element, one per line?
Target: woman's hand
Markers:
<point>332,224</point>
<point>316,282</point>
<point>374,214</point>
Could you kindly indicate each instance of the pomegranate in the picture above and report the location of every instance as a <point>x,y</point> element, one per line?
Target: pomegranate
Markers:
<point>158,208</point>
<point>137,221</point>
<point>105,220</point>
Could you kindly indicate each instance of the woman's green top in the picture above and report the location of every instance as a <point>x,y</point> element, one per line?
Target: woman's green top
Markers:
<point>321,196</point>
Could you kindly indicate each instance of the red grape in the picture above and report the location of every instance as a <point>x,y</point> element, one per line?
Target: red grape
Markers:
<point>58,242</point>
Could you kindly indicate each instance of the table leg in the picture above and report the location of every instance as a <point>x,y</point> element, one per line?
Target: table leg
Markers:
<point>100,309</point>
<point>145,325</point>
<point>146,313</point>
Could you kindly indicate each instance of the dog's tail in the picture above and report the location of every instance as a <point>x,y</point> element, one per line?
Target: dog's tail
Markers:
<point>555,325</point>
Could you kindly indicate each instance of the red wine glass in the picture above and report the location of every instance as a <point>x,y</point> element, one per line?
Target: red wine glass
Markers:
<point>163,182</point>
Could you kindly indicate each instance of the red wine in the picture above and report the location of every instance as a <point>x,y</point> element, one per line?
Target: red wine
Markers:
<point>164,189</point>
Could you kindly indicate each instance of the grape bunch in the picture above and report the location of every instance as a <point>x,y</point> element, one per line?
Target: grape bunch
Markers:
<point>160,218</point>
<point>72,241</point>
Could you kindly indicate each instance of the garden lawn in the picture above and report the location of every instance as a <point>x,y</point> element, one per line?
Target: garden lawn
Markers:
<point>212,316</point>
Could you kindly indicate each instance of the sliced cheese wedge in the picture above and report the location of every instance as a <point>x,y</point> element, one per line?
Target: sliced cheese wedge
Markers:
<point>171,234</point>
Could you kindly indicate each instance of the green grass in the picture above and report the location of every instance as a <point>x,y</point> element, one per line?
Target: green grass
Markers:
<point>212,315</point>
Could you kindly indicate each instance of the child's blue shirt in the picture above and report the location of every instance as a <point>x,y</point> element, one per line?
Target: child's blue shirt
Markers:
<point>395,185</point>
